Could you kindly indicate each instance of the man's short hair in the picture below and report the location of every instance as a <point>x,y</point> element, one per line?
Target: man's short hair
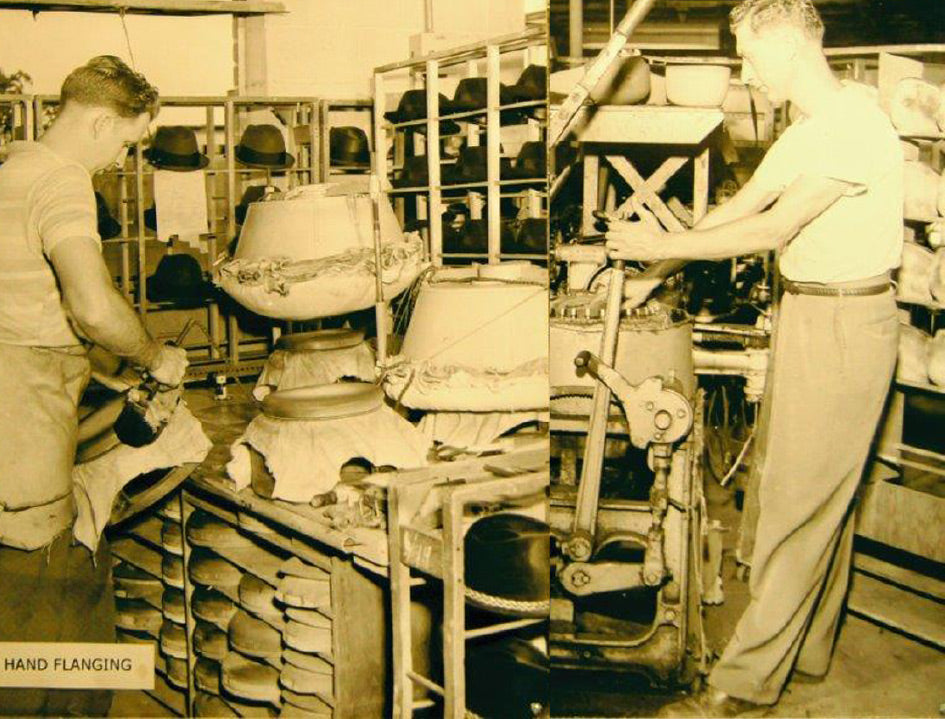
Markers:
<point>760,14</point>
<point>106,81</point>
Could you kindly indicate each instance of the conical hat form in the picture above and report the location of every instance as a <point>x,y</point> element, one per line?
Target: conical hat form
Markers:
<point>476,344</point>
<point>315,221</point>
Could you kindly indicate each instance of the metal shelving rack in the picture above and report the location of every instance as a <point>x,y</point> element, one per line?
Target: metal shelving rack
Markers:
<point>438,553</point>
<point>426,72</point>
<point>225,181</point>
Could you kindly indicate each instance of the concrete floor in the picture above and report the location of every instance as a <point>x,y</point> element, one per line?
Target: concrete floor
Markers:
<point>875,673</point>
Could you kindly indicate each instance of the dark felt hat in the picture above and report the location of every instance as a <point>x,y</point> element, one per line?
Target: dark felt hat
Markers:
<point>473,236</point>
<point>174,147</point>
<point>471,94</point>
<point>472,166</point>
<point>349,146</point>
<point>180,279</point>
<point>413,106</point>
<point>531,84</point>
<point>515,665</point>
<point>530,236</point>
<point>531,162</point>
<point>263,146</point>
<point>108,226</point>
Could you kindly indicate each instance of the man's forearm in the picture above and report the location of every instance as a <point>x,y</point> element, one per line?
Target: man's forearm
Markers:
<point>116,327</point>
<point>749,235</point>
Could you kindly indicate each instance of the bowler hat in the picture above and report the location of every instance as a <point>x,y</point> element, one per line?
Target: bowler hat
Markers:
<point>507,568</point>
<point>174,147</point>
<point>472,165</point>
<point>471,94</point>
<point>263,146</point>
<point>178,278</point>
<point>348,146</point>
<point>108,226</point>
<point>531,162</point>
<point>531,84</point>
<point>413,106</point>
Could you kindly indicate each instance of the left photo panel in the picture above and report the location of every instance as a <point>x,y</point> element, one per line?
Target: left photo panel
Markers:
<point>274,334</point>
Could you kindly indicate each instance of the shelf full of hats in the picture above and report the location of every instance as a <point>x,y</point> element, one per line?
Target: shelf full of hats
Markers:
<point>441,154</point>
<point>903,504</point>
<point>149,598</point>
<point>281,618</point>
<point>228,153</point>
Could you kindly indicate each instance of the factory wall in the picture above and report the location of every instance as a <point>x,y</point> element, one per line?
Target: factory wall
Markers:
<point>329,48</point>
<point>180,55</point>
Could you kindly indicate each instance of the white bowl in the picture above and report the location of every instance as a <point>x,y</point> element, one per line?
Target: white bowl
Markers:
<point>697,85</point>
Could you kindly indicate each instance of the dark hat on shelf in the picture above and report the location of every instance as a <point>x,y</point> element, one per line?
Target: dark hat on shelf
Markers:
<point>506,564</point>
<point>530,237</point>
<point>531,84</point>
<point>263,146</point>
<point>179,278</point>
<point>473,236</point>
<point>471,93</point>
<point>414,173</point>
<point>531,162</point>
<point>108,226</point>
<point>413,106</point>
<point>349,146</point>
<point>517,666</point>
<point>174,147</point>
<point>472,166</point>
<point>150,218</point>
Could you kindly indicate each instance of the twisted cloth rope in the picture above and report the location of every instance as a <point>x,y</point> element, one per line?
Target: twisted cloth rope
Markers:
<point>278,274</point>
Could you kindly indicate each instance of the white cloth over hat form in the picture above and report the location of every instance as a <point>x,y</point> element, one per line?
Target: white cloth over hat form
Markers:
<point>310,254</point>
<point>95,484</point>
<point>921,191</point>
<point>916,107</point>
<point>180,203</point>
<point>288,368</point>
<point>469,430</point>
<point>914,276</point>
<point>305,456</point>
<point>477,342</point>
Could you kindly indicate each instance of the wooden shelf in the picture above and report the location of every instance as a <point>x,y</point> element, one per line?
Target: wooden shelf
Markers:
<point>647,124</point>
<point>151,7</point>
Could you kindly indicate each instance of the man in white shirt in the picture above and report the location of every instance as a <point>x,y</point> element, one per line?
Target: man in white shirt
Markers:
<point>829,194</point>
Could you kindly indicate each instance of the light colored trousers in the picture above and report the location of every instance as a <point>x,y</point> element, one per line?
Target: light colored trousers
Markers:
<point>834,359</point>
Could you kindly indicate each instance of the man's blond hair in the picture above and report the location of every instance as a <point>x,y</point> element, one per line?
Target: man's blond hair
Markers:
<point>761,14</point>
<point>106,81</point>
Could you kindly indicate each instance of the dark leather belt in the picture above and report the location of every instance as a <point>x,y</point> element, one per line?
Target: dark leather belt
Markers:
<point>803,288</point>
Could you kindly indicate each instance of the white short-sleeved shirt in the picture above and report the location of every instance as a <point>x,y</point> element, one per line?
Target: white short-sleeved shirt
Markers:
<point>44,200</point>
<point>860,235</point>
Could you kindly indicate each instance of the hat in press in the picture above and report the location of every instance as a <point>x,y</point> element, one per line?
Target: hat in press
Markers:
<point>348,146</point>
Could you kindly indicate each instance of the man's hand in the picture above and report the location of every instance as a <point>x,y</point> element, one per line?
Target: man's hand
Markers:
<point>636,290</point>
<point>636,241</point>
<point>169,365</point>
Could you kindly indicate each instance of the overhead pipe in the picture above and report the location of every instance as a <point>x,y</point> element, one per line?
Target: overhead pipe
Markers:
<point>566,115</point>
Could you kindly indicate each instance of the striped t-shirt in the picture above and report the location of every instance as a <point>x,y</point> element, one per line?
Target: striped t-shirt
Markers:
<point>44,199</point>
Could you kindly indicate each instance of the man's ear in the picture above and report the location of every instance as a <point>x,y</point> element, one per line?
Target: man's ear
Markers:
<point>101,124</point>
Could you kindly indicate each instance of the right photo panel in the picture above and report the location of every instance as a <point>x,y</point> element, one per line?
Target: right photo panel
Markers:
<point>747,493</point>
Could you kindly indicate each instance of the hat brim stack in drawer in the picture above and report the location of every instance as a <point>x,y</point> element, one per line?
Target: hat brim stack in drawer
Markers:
<point>210,606</point>
<point>207,675</point>
<point>254,638</point>
<point>210,641</point>
<point>248,679</point>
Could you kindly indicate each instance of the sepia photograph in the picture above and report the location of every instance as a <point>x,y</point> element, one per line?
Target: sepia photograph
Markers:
<point>472,359</point>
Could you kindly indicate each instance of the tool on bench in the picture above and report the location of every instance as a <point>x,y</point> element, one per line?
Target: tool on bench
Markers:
<point>134,426</point>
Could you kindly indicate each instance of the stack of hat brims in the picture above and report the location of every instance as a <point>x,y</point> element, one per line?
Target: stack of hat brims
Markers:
<point>149,589</point>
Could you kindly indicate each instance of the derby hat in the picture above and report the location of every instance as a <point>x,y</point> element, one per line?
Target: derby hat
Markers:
<point>263,146</point>
<point>413,106</point>
<point>531,84</point>
<point>179,278</point>
<point>108,226</point>
<point>531,163</point>
<point>506,564</point>
<point>471,95</point>
<point>348,146</point>
<point>472,166</point>
<point>174,147</point>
